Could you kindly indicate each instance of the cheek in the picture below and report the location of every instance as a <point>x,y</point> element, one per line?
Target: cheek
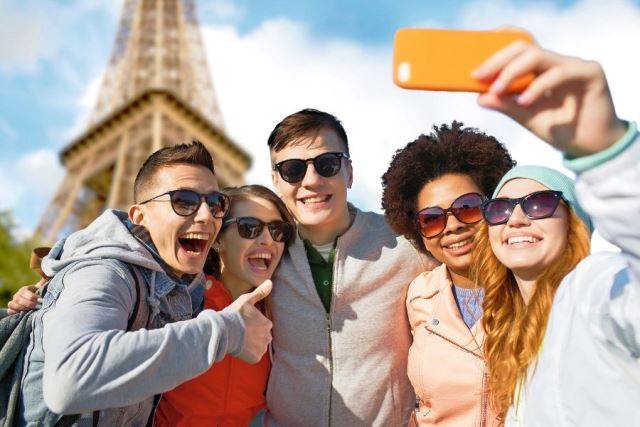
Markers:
<point>495,237</point>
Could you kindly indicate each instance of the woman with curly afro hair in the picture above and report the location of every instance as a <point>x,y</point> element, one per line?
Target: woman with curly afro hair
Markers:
<point>432,194</point>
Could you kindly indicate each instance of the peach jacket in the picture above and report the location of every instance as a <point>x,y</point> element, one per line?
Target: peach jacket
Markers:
<point>446,366</point>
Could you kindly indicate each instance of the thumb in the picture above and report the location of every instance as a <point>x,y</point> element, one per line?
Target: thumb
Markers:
<point>261,292</point>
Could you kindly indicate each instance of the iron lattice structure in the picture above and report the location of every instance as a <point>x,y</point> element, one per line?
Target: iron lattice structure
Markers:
<point>156,92</point>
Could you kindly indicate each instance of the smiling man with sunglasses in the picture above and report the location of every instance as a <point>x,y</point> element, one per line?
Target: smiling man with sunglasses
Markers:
<point>340,332</point>
<point>117,323</point>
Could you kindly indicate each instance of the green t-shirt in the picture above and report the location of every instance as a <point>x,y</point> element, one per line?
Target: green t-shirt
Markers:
<point>322,272</point>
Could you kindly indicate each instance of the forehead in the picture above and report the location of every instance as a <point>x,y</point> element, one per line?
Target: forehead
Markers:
<point>443,190</point>
<point>255,206</point>
<point>520,187</point>
<point>184,176</point>
<point>310,145</point>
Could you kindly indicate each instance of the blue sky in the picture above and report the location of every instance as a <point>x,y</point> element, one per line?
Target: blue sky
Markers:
<point>270,58</point>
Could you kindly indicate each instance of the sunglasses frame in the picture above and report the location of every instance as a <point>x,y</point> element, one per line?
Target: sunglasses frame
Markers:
<point>261,225</point>
<point>521,201</point>
<point>445,213</point>
<point>201,197</point>
<point>277,166</point>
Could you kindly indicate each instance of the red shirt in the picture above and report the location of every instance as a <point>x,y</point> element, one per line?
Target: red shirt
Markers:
<point>229,394</point>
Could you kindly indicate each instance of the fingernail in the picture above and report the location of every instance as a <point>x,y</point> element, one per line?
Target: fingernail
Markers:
<point>497,87</point>
<point>478,74</point>
<point>38,306</point>
<point>40,300</point>
<point>524,99</point>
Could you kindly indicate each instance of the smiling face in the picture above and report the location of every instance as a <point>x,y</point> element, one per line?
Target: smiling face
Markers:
<point>318,203</point>
<point>452,247</point>
<point>249,262</point>
<point>181,241</point>
<point>525,246</point>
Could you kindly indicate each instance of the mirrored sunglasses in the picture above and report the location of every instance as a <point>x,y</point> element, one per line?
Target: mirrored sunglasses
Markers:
<point>537,205</point>
<point>432,221</point>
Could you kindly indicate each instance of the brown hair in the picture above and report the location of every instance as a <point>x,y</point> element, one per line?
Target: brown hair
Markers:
<point>447,150</point>
<point>514,330</point>
<point>301,124</point>
<point>213,265</point>
<point>192,154</point>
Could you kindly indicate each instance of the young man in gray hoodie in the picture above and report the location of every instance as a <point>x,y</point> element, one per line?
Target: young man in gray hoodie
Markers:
<point>81,358</point>
<point>341,336</point>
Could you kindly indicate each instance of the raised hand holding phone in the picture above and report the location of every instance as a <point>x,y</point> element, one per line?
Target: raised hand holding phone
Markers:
<point>568,104</point>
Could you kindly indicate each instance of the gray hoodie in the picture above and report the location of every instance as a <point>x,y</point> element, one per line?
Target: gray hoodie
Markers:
<point>81,358</point>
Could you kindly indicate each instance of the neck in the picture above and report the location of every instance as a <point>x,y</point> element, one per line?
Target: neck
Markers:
<point>234,285</point>
<point>527,287</point>
<point>321,234</point>
<point>461,279</point>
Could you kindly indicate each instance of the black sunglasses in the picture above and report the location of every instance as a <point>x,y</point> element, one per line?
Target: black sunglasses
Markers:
<point>537,205</point>
<point>250,228</point>
<point>187,202</point>
<point>294,170</point>
<point>432,220</point>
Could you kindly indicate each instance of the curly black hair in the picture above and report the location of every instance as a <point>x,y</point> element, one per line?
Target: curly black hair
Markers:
<point>447,150</point>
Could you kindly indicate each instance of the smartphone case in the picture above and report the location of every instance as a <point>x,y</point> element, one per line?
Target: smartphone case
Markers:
<point>438,59</point>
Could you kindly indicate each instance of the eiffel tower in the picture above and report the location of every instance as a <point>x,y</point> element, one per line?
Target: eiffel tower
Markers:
<point>156,92</point>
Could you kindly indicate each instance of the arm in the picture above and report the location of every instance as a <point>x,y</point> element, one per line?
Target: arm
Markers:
<point>92,362</point>
<point>569,106</point>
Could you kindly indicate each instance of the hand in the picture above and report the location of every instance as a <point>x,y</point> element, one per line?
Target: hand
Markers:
<point>257,335</point>
<point>25,299</point>
<point>568,104</point>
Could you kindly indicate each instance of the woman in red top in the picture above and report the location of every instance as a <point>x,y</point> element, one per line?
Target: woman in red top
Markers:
<point>254,234</point>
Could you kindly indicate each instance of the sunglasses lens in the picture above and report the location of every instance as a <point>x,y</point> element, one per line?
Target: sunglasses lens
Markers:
<point>218,203</point>
<point>497,211</point>
<point>540,205</point>
<point>280,231</point>
<point>467,208</point>
<point>431,221</point>
<point>292,170</point>
<point>327,164</point>
<point>249,228</point>
<point>185,202</point>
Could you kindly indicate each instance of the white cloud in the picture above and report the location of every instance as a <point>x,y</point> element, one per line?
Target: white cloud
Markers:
<point>23,35</point>
<point>279,68</point>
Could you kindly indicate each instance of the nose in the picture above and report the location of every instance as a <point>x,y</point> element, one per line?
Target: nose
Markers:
<point>203,214</point>
<point>311,176</point>
<point>452,223</point>
<point>264,238</point>
<point>518,218</point>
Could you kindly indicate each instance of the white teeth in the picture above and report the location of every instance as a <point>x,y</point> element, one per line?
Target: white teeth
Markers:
<point>521,239</point>
<point>458,244</point>
<point>315,199</point>
<point>261,255</point>
<point>199,236</point>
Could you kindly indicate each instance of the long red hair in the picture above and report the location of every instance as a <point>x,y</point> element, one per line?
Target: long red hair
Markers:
<point>514,330</point>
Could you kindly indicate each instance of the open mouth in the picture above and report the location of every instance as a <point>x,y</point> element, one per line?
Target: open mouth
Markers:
<point>260,261</point>
<point>194,244</point>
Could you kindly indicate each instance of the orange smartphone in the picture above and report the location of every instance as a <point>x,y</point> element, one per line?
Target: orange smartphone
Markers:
<point>437,59</point>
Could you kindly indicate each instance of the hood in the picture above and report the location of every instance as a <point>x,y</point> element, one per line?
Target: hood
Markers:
<point>105,238</point>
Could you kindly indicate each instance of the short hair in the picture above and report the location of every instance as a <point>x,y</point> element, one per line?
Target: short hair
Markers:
<point>191,154</point>
<point>213,265</point>
<point>302,123</point>
<point>447,150</point>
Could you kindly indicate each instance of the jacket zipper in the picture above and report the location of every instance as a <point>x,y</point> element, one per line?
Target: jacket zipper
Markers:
<point>483,404</point>
<point>330,366</point>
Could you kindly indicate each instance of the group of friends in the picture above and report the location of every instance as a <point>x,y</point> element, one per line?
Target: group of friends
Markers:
<point>473,301</point>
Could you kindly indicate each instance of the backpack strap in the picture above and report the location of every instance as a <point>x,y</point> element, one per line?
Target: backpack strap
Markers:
<point>136,305</point>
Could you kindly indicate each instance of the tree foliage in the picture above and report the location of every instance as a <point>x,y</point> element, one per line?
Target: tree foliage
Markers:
<point>14,259</point>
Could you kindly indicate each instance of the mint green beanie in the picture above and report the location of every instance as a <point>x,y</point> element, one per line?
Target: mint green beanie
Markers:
<point>553,180</point>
